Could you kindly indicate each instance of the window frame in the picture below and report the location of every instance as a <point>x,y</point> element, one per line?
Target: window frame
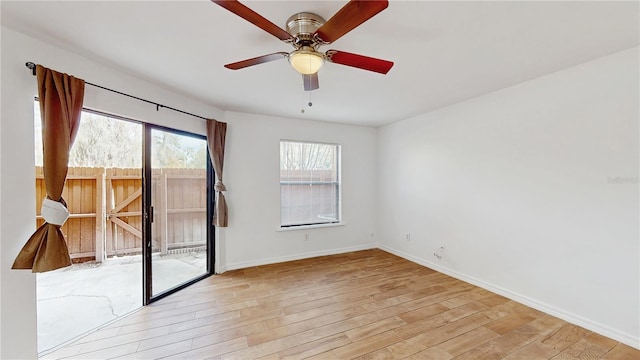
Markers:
<point>338,185</point>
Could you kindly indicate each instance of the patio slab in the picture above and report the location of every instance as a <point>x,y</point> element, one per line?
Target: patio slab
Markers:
<point>75,300</point>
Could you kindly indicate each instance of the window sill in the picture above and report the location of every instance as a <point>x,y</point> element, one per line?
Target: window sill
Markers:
<point>306,227</point>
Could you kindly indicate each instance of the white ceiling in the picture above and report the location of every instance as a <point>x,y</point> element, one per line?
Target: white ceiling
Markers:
<point>444,51</point>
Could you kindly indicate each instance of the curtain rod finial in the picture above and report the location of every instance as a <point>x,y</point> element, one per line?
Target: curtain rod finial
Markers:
<point>32,67</point>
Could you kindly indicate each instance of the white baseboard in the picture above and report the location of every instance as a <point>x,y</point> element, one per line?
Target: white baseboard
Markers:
<point>219,269</point>
<point>594,326</point>
<point>275,260</point>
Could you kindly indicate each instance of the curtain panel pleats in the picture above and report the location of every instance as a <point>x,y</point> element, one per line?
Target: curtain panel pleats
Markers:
<point>216,134</point>
<point>61,98</point>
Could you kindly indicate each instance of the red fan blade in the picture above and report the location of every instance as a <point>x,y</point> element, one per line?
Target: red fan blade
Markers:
<point>256,60</point>
<point>359,61</point>
<point>349,17</point>
<point>253,17</point>
<point>310,82</point>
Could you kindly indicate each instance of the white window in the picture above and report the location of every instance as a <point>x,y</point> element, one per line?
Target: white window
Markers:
<point>309,183</point>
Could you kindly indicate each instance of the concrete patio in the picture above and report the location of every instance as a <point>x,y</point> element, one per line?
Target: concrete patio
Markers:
<point>78,299</point>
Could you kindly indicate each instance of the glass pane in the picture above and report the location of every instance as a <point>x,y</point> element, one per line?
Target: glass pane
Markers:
<point>179,200</point>
<point>309,183</point>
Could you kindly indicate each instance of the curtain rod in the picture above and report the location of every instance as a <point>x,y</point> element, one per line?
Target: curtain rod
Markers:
<point>32,67</point>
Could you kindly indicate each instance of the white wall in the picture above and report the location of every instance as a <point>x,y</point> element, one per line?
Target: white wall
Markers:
<point>533,191</point>
<point>253,190</point>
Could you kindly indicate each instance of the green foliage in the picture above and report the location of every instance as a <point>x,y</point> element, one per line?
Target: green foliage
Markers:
<point>177,151</point>
<point>112,143</point>
<point>105,142</point>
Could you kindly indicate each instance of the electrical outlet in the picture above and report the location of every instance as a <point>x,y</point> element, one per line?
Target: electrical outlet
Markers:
<point>407,237</point>
<point>306,237</point>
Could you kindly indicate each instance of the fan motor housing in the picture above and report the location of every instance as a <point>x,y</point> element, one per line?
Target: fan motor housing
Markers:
<point>302,26</point>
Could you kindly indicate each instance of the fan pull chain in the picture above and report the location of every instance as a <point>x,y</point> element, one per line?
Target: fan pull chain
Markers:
<point>310,104</point>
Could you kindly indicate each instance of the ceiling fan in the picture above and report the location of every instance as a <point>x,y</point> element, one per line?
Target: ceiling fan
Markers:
<point>306,32</point>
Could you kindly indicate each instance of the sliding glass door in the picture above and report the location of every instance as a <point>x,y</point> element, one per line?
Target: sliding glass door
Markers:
<point>132,189</point>
<point>178,227</point>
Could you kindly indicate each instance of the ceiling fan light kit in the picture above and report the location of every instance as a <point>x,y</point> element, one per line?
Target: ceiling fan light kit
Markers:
<point>306,32</point>
<point>306,61</point>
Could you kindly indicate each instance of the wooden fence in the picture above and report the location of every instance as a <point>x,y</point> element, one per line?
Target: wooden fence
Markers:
<point>106,210</point>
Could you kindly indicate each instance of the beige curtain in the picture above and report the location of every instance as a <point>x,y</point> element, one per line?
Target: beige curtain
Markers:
<point>61,99</point>
<point>216,133</point>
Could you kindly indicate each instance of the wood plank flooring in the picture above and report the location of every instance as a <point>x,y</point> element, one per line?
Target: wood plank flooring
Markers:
<point>359,305</point>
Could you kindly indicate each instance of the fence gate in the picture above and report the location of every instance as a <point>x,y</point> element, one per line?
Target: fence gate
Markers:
<point>124,211</point>
<point>106,211</point>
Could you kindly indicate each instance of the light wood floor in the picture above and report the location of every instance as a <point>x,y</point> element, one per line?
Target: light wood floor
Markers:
<point>366,304</point>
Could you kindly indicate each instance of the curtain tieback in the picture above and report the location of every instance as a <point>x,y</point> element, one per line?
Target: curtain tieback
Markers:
<point>219,186</point>
<point>54,212</point>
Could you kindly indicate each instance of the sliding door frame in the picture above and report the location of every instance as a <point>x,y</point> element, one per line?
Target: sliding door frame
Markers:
<point>147,216</point>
